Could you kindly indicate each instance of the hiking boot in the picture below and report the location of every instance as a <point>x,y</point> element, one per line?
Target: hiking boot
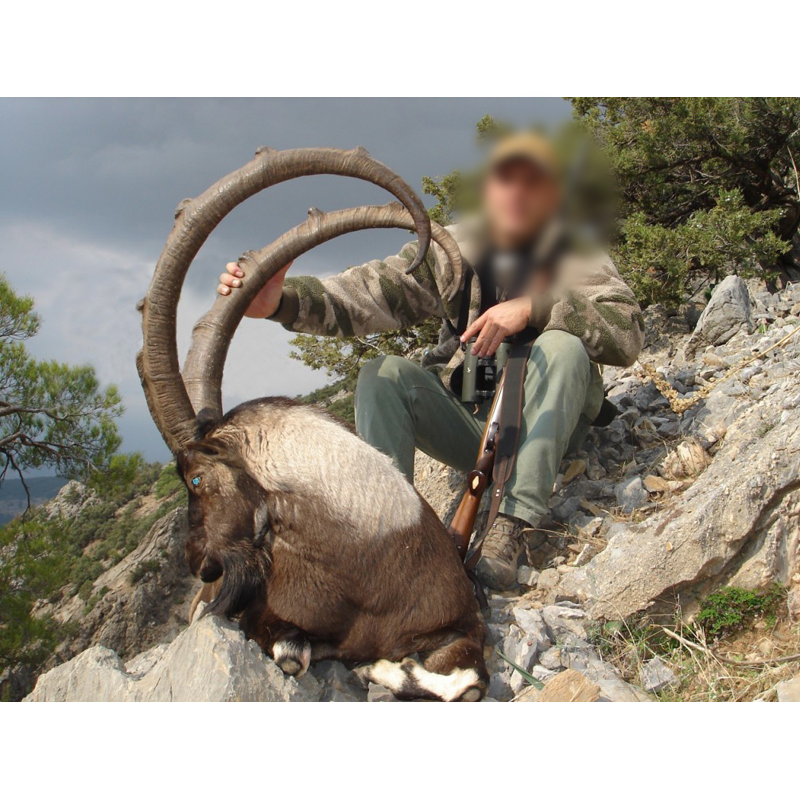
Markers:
<point>497,568</point>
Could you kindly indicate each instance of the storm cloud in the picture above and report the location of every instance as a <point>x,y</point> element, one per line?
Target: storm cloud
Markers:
<point>88,189</point>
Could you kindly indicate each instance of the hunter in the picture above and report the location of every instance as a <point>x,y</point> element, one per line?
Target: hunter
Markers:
<point>574,298</point>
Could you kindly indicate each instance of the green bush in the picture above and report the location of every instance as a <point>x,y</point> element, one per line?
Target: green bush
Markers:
<point>344,409</point>
<point>731,609</point>
<point>168,482</point>
<point>145,568</point>
<point>707,187</point>
<point>44,558</point>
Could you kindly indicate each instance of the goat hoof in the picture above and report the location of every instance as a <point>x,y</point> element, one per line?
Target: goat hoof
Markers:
<point>292,657</point>
<point>472,695</point>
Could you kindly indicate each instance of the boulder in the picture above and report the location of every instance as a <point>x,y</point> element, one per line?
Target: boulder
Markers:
<point>211,661</point>
<point>567,687</point>
<point>521,649</point>
<point>789,691</point>
<point>70,501</point>
<point>736,524</point>
<point>339,684</point>
<point>574,653</point>
<point>657,676</point>
<point>527,576</point>
<point>631,494</point>
<point>563,621</point>
<point>726,314</point>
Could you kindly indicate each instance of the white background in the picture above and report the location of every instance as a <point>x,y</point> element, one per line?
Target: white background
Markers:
<point>399,750</point>
<point>312,48</point>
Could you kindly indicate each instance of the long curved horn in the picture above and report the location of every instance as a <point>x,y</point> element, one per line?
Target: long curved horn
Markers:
<point>195,219</point>
<point>211,337</point>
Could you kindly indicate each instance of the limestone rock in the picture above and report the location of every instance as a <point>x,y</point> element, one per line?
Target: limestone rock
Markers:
<point>733,524</point>
<point>631,494</point>
<point>789,691</point>
<point>210,661</point>
<point>522,645</point>
<point>141,601</point>
<point>656,485</point>
<point>532,623</point>
<point>567,687</point>
<point>527,576</point>
<point>338,684</point>
<point>563,621</point>
<point>379,694</point>
<point>548,579</point>
<point>440,485</point>
<point>726,314</point>
<point>657,676</point>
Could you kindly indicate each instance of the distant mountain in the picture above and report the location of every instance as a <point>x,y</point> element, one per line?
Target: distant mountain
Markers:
<point>13,500</point>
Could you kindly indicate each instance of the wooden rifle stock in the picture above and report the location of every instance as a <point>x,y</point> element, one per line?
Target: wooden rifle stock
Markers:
<point>463,522</point>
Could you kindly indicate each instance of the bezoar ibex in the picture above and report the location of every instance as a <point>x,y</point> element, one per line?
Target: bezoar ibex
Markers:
<point>308,535</point>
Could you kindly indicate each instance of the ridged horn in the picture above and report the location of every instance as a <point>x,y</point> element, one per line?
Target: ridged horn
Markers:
<point>157,362</point>
<point>211,337</point>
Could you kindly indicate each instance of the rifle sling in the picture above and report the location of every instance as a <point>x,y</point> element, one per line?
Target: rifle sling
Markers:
<point>508,435</point>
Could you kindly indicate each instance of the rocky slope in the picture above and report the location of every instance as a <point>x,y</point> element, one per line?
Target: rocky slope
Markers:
<point>695,485</point>
<point>141,601</point>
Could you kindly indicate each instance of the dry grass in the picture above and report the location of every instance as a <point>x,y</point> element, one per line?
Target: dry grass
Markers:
<point>707,671</point>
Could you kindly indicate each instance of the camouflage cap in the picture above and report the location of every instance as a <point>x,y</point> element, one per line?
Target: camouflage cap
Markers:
<point>529,146</point>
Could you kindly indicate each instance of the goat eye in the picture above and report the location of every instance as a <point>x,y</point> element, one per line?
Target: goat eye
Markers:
<point>197,480</point>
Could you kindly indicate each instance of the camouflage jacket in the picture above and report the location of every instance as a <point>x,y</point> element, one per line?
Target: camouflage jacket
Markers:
<point>587,298</point>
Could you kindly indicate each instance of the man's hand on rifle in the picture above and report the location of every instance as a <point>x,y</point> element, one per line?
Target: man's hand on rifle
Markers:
<point>500,321</point>
<point>266,302</point>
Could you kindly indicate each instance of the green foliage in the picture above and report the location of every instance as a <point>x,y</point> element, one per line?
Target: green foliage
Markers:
<point>145,568</point>
<point>51,414</point>
<point>94,599</point>
<point>636,636</point>
<point>46,559</point>
<point>343,358</point>
<point>731,609</point>
<point>448,191</point>
<point>32,567</point>
<point>344,408</point>
<point>336,398</point>
<point>708,186</point>
<point>659,261</point>
<point>123,471</point>
<point>17,318</point>
<point>328,393</point>
<point>168,482</point>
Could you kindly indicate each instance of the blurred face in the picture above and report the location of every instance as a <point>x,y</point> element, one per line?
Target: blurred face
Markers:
<point>519,198</point>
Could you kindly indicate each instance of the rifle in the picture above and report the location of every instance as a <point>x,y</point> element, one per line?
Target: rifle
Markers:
<point>460,529</point>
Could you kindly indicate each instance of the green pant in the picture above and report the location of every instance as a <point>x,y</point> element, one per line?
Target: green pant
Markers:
<point>400,407</point>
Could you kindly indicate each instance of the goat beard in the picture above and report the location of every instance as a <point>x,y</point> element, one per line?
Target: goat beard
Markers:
<point>245,570</point>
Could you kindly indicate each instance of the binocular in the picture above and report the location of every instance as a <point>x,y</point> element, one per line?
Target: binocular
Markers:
<point>482,373</point>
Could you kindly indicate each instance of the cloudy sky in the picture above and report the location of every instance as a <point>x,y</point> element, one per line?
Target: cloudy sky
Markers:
<point>88,188</point>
